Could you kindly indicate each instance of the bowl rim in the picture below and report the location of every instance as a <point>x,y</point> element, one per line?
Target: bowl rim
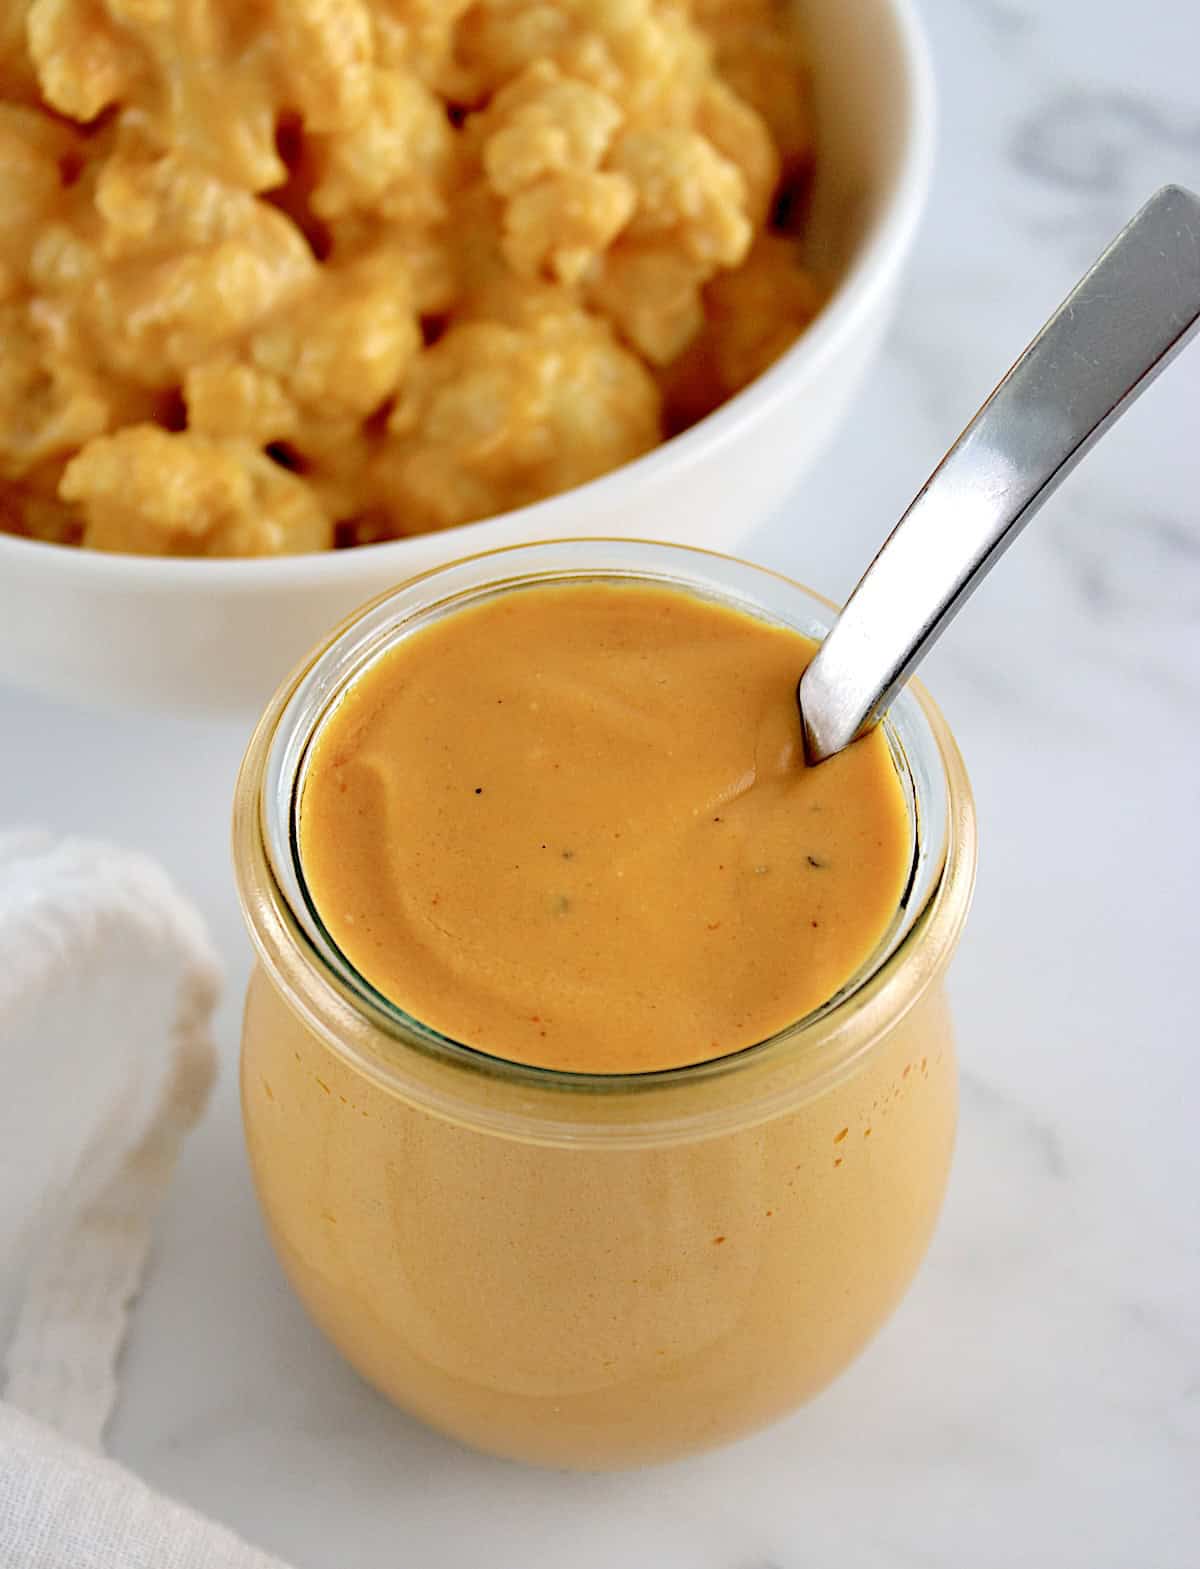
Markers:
<point>870,274</point>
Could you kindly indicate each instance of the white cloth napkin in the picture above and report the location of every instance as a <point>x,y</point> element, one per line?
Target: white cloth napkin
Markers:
<point>63,1508</point>
<point>107,986</point>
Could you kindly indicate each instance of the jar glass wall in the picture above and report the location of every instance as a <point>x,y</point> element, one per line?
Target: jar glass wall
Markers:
<point>594,1271</point>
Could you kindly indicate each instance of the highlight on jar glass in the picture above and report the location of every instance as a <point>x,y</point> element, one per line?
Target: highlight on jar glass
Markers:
<point>597,1074</point>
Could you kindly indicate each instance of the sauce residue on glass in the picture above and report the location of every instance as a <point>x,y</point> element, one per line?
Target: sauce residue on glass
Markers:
<point>572,826</point>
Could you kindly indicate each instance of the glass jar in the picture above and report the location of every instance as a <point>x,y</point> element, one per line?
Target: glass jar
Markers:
<point>579,1270</point>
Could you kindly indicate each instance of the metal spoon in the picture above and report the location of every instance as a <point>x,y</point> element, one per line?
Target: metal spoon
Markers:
<point>1123,322</point>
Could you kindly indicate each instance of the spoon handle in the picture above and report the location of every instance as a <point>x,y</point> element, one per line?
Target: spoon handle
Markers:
<point>1121,324</point>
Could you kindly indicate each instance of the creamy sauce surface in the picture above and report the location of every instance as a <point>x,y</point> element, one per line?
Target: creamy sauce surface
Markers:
<point>573,827</point>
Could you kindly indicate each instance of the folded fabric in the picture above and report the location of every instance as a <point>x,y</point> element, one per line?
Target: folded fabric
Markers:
<point>62,1507</point>
<point>107,987</point>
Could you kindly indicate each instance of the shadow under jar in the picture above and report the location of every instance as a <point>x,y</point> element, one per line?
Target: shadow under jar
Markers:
<point>579,1270</point>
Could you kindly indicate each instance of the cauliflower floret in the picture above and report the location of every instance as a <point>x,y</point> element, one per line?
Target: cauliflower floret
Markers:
<point>661,58</point>
<point>652,295</point>
<point>236,402</point>
<point>157,493</point>
<point>494,417</point>
<point>418,36</point>
<point>752,316</point>
<point>177,311</point>
<point>33,508</point>
<point>543,123</point>
<point>153,202</point>
<point>325,53</point>
<point>35,151</point>
<point>758,54</point>
<point>65,257</point>
<point>193,263</point>
<point>222,123</point>
<point>643,53</point>
<point>687,193</point>
<point>543,138</point>
<point>760,310</point>
<point>83,61</point>
<point>688,223</point>
<point>305,383</point>
<point>561,224</point>
<point>397,160</point>
<point>430,259</point>
<point>347,346</point>
<point>476,224</point>
<point>192,78</point>
<point>49,401</point>
<point>336,463</point>
<point>227,398</point>
<point>334,355</point>
<point>497,39</point>
<point>740,134</point>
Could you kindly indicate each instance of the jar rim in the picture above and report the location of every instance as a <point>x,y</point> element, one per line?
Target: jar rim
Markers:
<point>281,916</point>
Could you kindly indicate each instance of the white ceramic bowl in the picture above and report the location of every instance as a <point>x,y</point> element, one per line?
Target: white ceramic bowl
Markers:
<point>212,635</point>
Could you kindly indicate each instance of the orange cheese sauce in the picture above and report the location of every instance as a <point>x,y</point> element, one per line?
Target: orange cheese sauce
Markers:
<point>573,827</point>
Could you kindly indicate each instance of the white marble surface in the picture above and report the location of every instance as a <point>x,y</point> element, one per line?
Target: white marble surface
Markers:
<point>1037,1398</point>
